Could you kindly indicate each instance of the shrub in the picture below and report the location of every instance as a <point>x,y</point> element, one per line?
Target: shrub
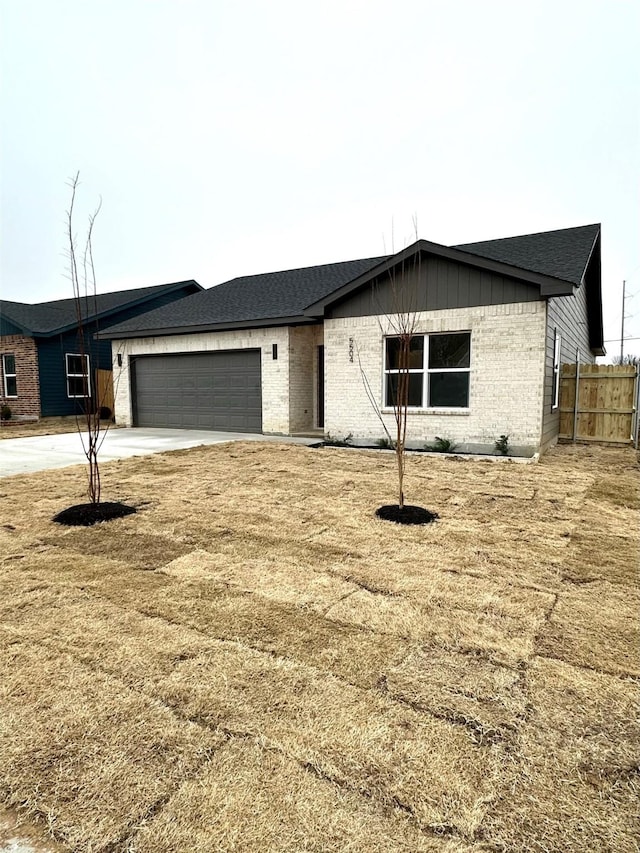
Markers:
<point>5,413</point>
<point>502,445</point>
<point>332,441</point>
<point>442,445</point>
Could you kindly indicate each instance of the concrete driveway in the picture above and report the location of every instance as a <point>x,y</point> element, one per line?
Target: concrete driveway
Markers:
<point>38,453</point>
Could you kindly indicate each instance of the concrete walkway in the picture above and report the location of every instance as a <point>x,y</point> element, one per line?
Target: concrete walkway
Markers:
<point>38,453</point>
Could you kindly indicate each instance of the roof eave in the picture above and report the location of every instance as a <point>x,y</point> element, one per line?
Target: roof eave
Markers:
<point>557,288</point>
<point>591,251</point>
<point>266,322</point>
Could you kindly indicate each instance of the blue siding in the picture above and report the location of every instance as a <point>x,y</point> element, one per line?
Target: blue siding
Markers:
<point>7,328</point>
<point>52,370</point>
<point>52,362</point>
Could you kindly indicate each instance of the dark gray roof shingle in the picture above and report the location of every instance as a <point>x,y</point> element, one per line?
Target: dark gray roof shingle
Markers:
<point>45,318</point>
<point>282,296</point>
<point>560,254</point>
<point>268,296</point>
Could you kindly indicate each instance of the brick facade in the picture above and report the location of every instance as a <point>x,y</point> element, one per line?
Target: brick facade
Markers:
<point>506,378</point>
<point>27,402</point>
<point>303,366</point>
<point>287,381</point>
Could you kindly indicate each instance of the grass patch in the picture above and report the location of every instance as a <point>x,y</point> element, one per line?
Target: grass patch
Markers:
<point>45,426</point>
<point>254,662</point>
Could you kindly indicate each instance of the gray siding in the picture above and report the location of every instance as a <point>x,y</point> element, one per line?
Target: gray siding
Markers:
<point>567,314</point>
<point>436,284</point>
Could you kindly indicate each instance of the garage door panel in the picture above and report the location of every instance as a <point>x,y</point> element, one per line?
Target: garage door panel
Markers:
<point>220,391</point>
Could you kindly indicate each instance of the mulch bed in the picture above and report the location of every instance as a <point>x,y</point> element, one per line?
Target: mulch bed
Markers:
<point>84,515</point>
<point>408,514</point>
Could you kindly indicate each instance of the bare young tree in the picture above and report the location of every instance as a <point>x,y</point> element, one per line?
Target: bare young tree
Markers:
<point>83,281</point>
<point>400,330</point>
<point>397,313</point>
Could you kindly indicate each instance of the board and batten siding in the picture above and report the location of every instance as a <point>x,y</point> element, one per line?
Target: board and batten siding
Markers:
<point>568,316</point>
<point>436,284</point>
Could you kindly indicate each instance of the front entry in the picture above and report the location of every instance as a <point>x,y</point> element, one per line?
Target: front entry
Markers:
<point>320,402</point>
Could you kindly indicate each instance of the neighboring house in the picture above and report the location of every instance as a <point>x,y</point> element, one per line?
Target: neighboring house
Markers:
<point>43,365</point>
<point>304,349</point>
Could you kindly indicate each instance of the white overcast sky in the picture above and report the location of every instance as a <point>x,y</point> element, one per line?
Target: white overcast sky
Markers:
<point>229,138</point>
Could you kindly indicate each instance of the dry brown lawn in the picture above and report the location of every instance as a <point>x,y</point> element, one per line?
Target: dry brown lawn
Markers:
<point>253,662</point>
<point>45,426</point>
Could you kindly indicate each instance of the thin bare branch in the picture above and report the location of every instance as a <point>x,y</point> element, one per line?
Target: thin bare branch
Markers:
<point>397,318</point>
<point>372,398</point>
<point>86,305</point>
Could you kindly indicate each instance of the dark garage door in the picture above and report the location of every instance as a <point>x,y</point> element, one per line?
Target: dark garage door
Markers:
<point>205,390</point>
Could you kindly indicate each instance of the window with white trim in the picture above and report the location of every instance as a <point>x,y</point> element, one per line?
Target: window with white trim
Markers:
<point>78,381</point>
<point>439,370</point>
<point>555,392</point>
<point>9,375</point>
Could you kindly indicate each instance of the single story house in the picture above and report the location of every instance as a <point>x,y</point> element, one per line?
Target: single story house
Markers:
<point>44,363</point>
<point>313,348</point>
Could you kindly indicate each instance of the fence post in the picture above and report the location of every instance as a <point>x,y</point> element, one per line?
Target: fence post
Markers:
<point>575,402</point>
<point>636,402</point>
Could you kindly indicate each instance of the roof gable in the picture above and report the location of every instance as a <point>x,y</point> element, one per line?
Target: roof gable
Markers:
<point>548,285</point>
<point>552,263</point>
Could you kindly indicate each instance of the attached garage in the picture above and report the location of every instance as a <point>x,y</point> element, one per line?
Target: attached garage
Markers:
<point>205,390</point>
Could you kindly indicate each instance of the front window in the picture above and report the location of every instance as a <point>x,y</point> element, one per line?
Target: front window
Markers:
<point>394,369</point>
<point>9,374</point>
<point>78,383</point>
<point>438,365</point>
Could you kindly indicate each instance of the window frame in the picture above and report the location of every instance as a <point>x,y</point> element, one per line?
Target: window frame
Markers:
<point>9,375</point>
<point>82,376</point>
<point>426,372</point>
<point>555,382</point>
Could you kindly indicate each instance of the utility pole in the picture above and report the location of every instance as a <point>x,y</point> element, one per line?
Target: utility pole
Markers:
<point>624,285</point>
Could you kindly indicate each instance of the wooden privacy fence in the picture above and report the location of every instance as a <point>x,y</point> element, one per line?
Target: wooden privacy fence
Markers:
<point>104,388</point>
<point>598,402</point>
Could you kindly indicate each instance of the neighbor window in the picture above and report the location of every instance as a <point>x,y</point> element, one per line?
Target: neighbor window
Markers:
<point>555,393</point>
<point>78,383</point>
<point>439,368</point>
<point>9,373</point>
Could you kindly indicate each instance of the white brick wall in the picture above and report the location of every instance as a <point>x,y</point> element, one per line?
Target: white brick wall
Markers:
<point>275,373</point>
<point>301,386</point>
<point>506,381</point>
